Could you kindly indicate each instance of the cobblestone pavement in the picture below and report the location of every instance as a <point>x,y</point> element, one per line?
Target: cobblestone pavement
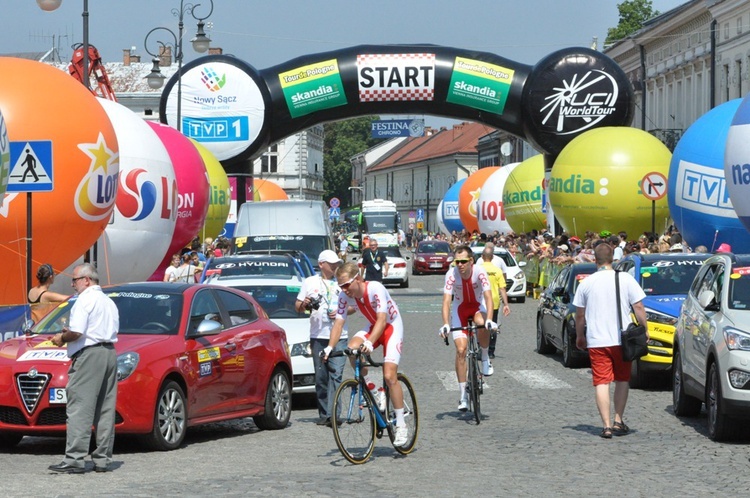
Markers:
<point>539,437</point>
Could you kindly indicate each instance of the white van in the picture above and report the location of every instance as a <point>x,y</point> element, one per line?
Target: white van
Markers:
<point>287,225</point>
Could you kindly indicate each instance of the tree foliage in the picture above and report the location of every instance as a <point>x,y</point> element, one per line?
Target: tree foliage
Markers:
<point>343,139</point>
<point>633,13</point>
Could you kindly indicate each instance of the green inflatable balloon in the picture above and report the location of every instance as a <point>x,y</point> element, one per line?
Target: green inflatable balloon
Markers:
<point>523,195</point>
<point>595,183</point>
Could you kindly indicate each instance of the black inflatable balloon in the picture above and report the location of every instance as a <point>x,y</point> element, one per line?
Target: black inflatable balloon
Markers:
<point>225,105</point>
<point>571,91</point>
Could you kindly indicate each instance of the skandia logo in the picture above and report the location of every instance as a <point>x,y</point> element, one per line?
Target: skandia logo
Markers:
<point>581,102</point>
<point>576,184</point>
<point>137,199</point>
<point>212,80</point>
<point>96,193</point>
<point>318,92</point>
<point>524,196</point>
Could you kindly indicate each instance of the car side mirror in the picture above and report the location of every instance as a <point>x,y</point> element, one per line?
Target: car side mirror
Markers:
<point>522,264</point>
<point>26,328</point>
<point>707,300</point>
<point>208,327</point>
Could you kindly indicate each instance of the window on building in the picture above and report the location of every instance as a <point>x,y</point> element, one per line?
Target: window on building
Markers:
<point>739,25</point>
<point>269,160</point>
<point>726,31</point>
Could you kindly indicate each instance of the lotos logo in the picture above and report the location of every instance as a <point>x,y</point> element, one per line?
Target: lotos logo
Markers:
<point>576,184</point>
<point>134,202</point>
<point>95,194</point>
<point>579,104</point>
<point>212,80</point>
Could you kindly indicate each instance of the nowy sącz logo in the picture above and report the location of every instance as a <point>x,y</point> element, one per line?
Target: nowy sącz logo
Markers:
<point>581,102</point>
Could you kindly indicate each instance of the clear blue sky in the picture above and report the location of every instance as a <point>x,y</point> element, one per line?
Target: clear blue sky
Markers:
<point>268,33</point>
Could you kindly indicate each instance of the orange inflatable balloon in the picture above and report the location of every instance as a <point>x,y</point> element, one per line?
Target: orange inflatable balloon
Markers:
<point>60,123</point>
<point>468,197</point>
<point>266,190</point>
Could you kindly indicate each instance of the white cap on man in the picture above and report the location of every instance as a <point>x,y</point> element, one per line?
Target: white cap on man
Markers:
<point>328,256</point>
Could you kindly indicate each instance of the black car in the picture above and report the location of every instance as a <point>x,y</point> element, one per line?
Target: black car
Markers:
<point>555,319</point>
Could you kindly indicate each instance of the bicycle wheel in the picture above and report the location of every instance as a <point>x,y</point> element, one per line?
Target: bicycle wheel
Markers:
<point>475,387</point>
<point>353,422</point>
<point>411,416</point>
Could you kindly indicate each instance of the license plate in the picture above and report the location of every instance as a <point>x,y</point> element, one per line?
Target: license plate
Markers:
<point>57,395</point>
<point>436,265</point>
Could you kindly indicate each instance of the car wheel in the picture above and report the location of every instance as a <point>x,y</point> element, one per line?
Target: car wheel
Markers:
<point>719,425</point>
<point>638,377</point>
<point>521,299</point>
<point>170,419</point>
<point>568,348</point>
<point>404,284</point>
<point>9,439</point>
<point>542,345</point>
<point>278,407</point>
<point>683,404</point>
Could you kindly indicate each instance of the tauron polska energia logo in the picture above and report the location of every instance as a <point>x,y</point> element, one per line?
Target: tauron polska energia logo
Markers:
<point>212,81</point>
<point>581,103</point>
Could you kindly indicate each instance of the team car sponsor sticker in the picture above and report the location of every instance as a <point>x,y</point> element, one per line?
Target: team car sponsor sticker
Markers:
<point>208,354</point>
<point>206,369</point>
<point>739,272</point>
<point>45,344</point>
<point>45,354</point>
<point>581,276</point>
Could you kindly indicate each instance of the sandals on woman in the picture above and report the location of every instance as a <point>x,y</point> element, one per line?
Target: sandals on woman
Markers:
<point>606,433</point>
<point>620,429</point>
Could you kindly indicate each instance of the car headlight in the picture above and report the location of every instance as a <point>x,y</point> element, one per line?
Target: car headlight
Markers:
<point>736,339</point>
<point>420,259</point>
<point>302,349</point>
<point>519,276</point>
<point>126,364</point>
<point>449,259</point>
<point>656,317</point>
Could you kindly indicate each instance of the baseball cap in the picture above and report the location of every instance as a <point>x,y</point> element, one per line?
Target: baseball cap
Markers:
<point>575,239</point>
<point>328,256</point>
<point>563,247</point>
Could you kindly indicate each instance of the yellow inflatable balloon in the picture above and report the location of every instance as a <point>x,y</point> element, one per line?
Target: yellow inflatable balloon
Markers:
<point>523,194</point>
<point>595,183</point>
<point>220,198</point>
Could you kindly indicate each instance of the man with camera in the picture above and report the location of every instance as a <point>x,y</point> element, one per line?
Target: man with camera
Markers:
<point>319,296</point>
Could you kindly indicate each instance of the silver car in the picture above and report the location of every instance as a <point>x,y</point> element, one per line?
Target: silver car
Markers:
<point>712,346</point>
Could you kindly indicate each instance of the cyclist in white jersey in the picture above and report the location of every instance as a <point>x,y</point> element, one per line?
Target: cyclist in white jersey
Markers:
<point>467,294</point>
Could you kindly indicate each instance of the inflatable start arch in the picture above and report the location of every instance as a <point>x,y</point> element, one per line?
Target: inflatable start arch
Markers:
<point>236,111</point>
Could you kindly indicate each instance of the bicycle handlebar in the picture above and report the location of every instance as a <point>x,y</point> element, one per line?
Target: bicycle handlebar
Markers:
<point>351,352</point>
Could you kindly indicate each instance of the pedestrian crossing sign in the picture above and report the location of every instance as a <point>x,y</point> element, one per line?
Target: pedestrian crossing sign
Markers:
<point>31,166</point>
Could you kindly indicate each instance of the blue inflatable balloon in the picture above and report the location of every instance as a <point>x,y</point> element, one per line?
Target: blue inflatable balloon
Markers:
<point>699,201</point>
<point>737,165</point>
<point>451,218</point>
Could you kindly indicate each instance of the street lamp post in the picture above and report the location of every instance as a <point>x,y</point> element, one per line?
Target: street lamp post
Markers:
<point>200,43</point>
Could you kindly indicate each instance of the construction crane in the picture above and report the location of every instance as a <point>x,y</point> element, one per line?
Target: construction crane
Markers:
<point>96,67</point>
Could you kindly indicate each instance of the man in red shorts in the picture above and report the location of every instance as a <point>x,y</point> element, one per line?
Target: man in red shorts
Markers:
<point>467,294</point>
<point>597,329</point>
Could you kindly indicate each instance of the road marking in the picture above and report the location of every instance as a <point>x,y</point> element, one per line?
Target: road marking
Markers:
<point>538,379</point>
<point>448,378</point>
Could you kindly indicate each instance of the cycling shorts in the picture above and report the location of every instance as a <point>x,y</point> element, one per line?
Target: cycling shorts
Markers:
<point>461,314</point>
<point>392,340</point>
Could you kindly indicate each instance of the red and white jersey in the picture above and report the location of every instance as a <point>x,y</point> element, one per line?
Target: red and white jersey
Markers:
<point>375,300</point>
<point>469,291</point>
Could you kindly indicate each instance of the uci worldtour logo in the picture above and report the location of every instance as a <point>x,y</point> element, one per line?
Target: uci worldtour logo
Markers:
<point>581,103</point>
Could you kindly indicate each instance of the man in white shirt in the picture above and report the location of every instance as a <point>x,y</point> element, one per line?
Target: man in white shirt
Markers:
<point>92,377</point>
<point>319,296</point>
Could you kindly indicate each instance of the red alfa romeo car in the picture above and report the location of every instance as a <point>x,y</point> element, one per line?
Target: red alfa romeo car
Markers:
<point>188,354</point>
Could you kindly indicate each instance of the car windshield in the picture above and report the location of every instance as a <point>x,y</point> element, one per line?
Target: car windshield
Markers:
<point>140,313</point>
<point>311,245</point>
<point>435,248</point>
<point>392,252</point>
<point>243,267</point>
<point>668,276</point>
<point>276,300</point>
<point>739,288</point>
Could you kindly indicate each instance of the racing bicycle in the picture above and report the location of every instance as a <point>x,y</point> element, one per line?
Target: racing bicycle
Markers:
<point>356,418</point>
<point>474,378</point>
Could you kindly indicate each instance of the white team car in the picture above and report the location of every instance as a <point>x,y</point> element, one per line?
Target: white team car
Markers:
<point>515,278</point>
<point>278,295</point>
<point>398,269</point>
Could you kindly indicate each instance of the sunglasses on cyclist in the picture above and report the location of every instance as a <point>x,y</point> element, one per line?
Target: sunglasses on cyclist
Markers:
<point>349,282</point>
<point>461,261</point>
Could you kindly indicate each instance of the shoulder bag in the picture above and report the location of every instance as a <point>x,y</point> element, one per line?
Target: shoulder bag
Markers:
<point>633,342</point>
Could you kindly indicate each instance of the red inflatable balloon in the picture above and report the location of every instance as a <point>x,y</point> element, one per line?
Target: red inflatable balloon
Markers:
<point>468,197</point>
<point>193,190</point>
<point>63,135</point>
